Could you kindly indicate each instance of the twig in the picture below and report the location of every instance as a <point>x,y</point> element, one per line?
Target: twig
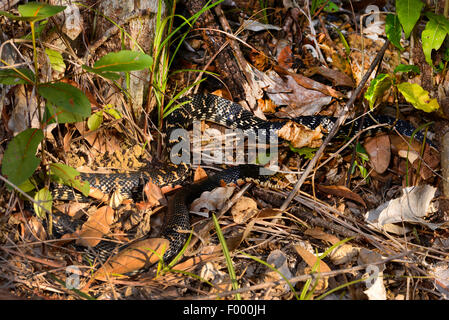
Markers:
<point>340,120</point>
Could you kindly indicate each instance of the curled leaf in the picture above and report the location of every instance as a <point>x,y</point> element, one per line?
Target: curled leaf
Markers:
<point>377,88</point>
<point>301,136</point>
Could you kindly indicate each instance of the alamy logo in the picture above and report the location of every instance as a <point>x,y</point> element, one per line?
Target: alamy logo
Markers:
<point>261,146</point>
<point>73,279</point>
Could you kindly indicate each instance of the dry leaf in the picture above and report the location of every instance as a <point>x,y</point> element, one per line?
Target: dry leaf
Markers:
<point>285,57</point>
<point>116,199</point>
<point>441,273</point>
<point>258,60</point>
<point>67,140</point>
<point>311,260</point>
<point>210,272</point>
<point>300,101</point>
<point>266,105</point>
<point>100,140</point>
<point>35,230</point>
<point>96,226</point>
<point>269,212</point>
<point>317,233</point>
<point>199,174</point>
<point>431,157</point>
<point>244,209</point>
<point>72,208</point>
<point>309,83</point>
<point>342,191</point>
<point>154,194</point>
<point>378,149</point>
<point>278,260</point>
<point>212,200</point>
<point>413,206</point>
<point>338,78</point>
<point>98,194</point>
<point>301,136</point>
<point>341,254</point>
<point>138,255</point>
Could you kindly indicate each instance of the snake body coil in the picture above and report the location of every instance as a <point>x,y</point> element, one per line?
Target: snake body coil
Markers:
<point>218,110</point>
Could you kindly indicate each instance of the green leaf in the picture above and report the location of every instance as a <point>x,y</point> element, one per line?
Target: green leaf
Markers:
<point>377,88</point>
<point>66,96</point>
<point>122,61</point>
<point>18,76</point>
<point>19,160</point>
<point>112,111</point>
<point>27,186</point>
<point>55,114</point>
<point>67,175</point>
<point>107,75</point>
<point>442,20</point>
<point>418,97</point>
<point>393,30</point>
<point>361,152</point>
<point>39,10</point>
<point>34,11</point>
<point>432,37</point>
<point>95,120</point>
<point>43,196</point>
<point>56,61</point>
<point>331,7</point>
<point>408,13</point>
<point>343,40</point>
<point>307,152</point>
<point>407,68</point>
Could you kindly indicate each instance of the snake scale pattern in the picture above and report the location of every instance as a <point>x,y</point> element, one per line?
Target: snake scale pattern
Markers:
<point>200,107</point>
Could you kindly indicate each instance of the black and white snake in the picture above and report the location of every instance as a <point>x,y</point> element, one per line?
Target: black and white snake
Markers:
<point>215,109</point>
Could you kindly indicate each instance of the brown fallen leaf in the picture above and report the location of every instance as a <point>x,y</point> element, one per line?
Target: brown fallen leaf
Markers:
<point>98,194</point>
<point>244,209</point>
<point>67,139</point>
<point>269,213</point>
<point>100,140</point>
<point>96,226</point>
<point>319,234</point>
<point>301,136</point>
<point>342,191</point>
<point>258,60</point>
<point>311,260</point>
<point>154,194</point>
<point>199,174</point>
<point>309,83</point>
<point>138,255</point>
<point>338,78</point>
<point>71,208</point>
<point>399,143</point>
<point>35,230</point>
<point>285,57</point>
<point>341,254</point>
<point>430,155</point>
<point>379,151</point>
<point>266,105</point>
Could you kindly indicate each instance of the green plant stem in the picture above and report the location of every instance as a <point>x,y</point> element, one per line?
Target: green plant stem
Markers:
<point>38,100</point>
<point>227,255</point>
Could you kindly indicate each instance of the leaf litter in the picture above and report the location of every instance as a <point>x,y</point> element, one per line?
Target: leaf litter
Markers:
<point>294,81</point>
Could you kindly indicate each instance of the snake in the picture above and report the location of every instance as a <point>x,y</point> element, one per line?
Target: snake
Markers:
<point>223,112</point>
